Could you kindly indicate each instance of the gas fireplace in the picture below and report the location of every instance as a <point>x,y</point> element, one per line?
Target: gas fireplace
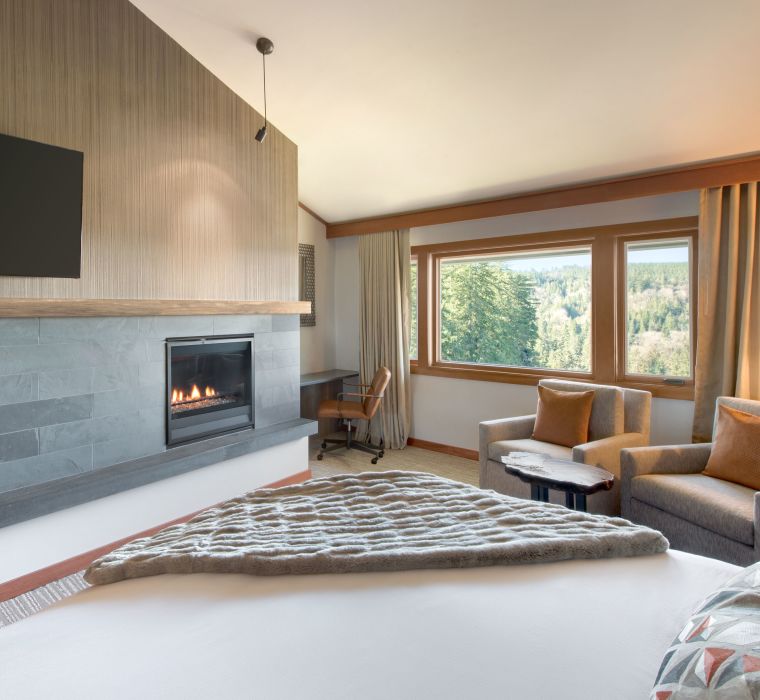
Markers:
<point>209,386</point>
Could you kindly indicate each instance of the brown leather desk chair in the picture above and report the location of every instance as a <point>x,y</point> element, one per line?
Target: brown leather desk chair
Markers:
<point>350,411</point>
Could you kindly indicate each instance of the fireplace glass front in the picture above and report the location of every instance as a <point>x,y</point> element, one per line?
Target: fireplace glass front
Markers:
<point>209,386</point>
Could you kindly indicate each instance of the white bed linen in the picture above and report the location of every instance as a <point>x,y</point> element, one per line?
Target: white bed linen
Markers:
<point>594,630</point>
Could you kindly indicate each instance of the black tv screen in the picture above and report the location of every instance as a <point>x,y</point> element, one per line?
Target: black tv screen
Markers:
<point>40,209</point>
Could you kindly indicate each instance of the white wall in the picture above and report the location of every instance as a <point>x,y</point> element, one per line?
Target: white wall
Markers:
<point>448,411</point>
<point>606,213</point>
<point>318,342</point>
<point>347,300</point>
<point>35,544</point>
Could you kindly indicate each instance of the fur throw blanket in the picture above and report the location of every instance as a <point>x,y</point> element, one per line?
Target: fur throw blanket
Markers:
<point>375,521</point>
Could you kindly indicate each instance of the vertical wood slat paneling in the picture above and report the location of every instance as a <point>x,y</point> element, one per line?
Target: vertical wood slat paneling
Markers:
<point>180,201</point>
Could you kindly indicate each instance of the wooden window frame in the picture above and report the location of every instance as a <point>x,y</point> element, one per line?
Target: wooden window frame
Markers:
<point>607,244</point>
<point>655,384</point>
<point>413,360</point>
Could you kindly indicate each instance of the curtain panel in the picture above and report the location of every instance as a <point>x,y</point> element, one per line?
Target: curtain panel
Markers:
<point>728,327</point>
<point>384,269</point>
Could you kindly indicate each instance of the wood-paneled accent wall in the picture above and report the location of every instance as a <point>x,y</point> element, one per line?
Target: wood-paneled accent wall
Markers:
<point>180,202</point>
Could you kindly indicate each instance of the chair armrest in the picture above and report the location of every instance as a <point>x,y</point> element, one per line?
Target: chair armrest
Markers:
<point>669,459</point>
<point>519,428</point>
<point>606,452</point>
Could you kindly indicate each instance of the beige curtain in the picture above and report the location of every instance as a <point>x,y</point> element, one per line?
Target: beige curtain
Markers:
<point>728,327</point>
<point>384,268</point>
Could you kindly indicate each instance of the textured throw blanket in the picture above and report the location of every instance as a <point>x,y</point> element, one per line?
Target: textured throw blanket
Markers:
<point>376,521</point>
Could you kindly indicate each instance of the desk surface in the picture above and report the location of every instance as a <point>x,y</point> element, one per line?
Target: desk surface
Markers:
<point>327,375</point>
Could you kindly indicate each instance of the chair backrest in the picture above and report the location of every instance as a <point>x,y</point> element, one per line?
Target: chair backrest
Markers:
<point>376,389</point>
<point>638,412</point>
<point>746,405</point>
<point>607,411</point>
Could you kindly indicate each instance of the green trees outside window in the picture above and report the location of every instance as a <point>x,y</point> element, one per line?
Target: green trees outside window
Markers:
<point>517,311</point>
<point>658,309</point>
<point>413,310</point>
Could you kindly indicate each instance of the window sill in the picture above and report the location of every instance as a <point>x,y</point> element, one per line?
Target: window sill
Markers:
<point>659,389</point>
<point>532,377</point>
<point>489,373</point>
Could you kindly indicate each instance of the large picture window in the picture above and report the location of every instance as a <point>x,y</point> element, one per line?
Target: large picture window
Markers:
<point>610,304</point>
<point>518,310</point>
<point>658,308</point>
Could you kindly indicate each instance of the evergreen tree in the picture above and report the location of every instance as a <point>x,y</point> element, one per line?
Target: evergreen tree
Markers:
<point>487,315</point>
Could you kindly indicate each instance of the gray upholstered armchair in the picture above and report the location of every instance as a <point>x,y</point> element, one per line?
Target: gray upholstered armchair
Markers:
<point>619,418</point>
<point>664,488</point>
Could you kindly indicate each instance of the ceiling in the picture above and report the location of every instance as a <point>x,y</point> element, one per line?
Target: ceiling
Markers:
<point>399,105</point>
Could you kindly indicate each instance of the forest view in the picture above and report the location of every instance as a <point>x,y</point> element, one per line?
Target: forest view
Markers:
<point>659,314</point>
<point>536,311</point>
<point>518,312</point>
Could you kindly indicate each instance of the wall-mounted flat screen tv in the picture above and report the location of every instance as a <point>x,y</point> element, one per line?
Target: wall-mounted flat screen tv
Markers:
<point>40,209</point>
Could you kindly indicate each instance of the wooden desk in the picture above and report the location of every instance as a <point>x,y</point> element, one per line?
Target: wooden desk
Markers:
<point>319,386</point>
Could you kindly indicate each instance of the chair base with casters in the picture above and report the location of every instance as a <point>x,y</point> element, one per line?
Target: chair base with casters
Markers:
<point>371,396</point>
<point>331,445</point>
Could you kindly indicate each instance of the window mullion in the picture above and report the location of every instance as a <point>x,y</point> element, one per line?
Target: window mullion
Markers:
<point>604,293</point>
<point>423,309</point>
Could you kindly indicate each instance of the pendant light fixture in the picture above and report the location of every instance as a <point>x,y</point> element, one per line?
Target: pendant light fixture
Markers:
<point>265,47</point>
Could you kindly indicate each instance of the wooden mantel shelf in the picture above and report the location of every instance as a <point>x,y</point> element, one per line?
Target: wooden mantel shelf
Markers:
<point>145,307</point>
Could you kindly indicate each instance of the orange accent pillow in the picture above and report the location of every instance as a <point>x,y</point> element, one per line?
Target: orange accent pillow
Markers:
<point>735,454</point>
<point>562,417</point>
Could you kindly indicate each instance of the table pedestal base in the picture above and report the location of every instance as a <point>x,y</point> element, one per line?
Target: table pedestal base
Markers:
<point>574,501</point>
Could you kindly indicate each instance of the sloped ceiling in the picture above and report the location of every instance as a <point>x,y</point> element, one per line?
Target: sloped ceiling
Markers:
<point>399,105</point>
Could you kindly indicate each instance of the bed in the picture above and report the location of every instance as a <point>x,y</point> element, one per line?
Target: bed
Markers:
<point>588,630</point>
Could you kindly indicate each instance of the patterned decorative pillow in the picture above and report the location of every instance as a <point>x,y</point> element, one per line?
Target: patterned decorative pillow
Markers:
<point>717,654</point>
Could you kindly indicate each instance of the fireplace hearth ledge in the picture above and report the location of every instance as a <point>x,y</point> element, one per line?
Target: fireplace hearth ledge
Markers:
<point>51,496</point>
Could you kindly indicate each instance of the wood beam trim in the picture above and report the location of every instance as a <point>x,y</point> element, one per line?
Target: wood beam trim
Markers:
<point>444,449</point>
<point>311,212</point>
<point>680,179</point>
<point>47,308</point>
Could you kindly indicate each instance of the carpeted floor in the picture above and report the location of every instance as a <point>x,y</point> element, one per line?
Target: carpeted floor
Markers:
<point>354,462</point>
<point>410,458</point>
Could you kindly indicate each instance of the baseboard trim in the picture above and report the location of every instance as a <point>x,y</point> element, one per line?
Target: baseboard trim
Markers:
<point>445,449</point>
<point>41,577</point>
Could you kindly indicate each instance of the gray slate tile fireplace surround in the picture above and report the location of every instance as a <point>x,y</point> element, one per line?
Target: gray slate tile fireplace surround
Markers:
<point>79,396</point>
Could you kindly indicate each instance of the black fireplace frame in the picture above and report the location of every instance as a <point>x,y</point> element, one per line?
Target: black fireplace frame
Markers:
<point>228,420</point>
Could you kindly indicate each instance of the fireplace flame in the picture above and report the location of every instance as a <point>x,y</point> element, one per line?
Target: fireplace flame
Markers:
<point>180,396</point>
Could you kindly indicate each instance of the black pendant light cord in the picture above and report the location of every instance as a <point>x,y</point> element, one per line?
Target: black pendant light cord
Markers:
<point>264,47</point>
<point>264,66</point>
